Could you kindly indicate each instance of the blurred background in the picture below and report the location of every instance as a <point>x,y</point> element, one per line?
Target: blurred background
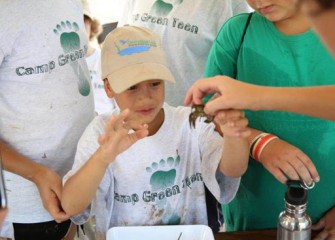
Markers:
<point>106,11</point>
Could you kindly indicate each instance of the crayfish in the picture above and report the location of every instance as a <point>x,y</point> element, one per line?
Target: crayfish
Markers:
<point>196,112</point>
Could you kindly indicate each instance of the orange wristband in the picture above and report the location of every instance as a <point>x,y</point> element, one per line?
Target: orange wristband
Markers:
<point>260,145</point>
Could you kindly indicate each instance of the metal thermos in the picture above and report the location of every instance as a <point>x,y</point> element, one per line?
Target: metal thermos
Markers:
<point>294,223</point>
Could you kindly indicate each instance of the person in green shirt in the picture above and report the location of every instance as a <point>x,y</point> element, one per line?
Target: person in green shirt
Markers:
<point>281,66</point>
<point>315,101</point>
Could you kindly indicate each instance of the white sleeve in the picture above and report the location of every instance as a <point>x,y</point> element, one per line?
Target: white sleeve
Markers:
<point>87,145</point>
<point>222,187</point>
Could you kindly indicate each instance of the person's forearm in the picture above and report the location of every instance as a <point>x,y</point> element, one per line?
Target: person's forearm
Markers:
<point>79,189</point>
<point>235,155</point>
<point>17,163</point>
<point>314,101</point>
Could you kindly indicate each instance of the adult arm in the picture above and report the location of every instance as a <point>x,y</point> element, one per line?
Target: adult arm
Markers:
<point>47,181</point>
<point>317,101</point>
<point>314,101</point>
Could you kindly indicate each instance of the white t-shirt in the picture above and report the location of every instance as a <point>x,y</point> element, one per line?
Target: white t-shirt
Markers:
<point>102,102</point>
<point>160,179</point>
<point>188,29</point>
<point>46,100</point>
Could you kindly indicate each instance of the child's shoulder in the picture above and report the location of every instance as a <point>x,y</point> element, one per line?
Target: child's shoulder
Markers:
<point>176,116</point>
<point>238,20</point>
<point>237,23</point>
<point>232,30</point>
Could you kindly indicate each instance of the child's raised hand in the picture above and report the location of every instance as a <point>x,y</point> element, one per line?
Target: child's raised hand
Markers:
<point>232,123</point>
<point>117,138</point>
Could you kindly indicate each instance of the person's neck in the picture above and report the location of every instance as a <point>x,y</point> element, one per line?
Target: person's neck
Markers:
<point>297,24</point>
<point>156,124</point>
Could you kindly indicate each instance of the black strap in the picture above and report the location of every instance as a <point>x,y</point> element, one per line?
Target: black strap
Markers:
<point>246,28</point>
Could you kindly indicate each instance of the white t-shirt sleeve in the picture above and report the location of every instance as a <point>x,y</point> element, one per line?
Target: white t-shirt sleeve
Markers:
<point>87,145</point>
<point>222,187</point>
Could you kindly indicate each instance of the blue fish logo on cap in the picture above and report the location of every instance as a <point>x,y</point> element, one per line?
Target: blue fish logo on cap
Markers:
<point>133,47</point>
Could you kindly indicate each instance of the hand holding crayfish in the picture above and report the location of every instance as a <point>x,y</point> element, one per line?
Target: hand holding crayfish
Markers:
<point>230,122</point>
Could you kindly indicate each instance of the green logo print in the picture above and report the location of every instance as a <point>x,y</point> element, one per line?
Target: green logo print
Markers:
<point>163,7</point>
<point>70,43</point>
<point>163,176</point>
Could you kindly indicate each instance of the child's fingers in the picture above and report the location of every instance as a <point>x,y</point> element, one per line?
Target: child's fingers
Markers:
<point>109,127</point>
<point>140,133</point>
<point>229,114</point>
<point>310,166</point>
<point>235,124</point>
<point>289,170</point>
<point>278,174</point>
<point>116,122</point>
<point>240,122</point>
<point>119,123</point>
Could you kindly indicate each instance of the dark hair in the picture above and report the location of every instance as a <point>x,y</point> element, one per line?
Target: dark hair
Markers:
<point>323,5</point>
<point>326,4</point>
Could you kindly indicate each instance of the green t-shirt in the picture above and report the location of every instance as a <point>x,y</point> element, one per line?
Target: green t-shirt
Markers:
<point>268,57</point>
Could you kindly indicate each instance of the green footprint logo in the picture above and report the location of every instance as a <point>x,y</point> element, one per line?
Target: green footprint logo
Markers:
<point>70,42</point>
<point>162,8</point>
<point>164,176</point>
<point>162,179</point>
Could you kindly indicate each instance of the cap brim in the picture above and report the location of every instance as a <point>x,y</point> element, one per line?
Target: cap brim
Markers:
<point>131,75</point>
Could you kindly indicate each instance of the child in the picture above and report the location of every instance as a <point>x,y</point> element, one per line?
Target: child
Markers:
<point>279,50</point>
<point>149,166</point>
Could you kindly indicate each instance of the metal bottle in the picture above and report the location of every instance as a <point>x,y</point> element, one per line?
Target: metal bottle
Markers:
<point>294,223</point>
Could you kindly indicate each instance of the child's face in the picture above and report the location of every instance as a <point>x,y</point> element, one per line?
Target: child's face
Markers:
<point>275,10</point>
<point>144,100</point>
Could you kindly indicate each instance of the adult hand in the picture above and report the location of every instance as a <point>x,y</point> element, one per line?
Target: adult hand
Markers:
<point>231,93</point>
<point>284,160</point>
<point>326,225</point>
<point>49,185</point>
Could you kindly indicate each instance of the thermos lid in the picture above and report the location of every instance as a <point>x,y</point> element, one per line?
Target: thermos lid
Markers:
<point>295,195</point>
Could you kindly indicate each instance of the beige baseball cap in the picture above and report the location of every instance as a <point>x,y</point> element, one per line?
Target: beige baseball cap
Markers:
<point>131,55</point>
<point>86,9</point>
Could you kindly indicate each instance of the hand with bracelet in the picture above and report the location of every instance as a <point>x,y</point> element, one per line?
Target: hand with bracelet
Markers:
<point>282,159</point>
